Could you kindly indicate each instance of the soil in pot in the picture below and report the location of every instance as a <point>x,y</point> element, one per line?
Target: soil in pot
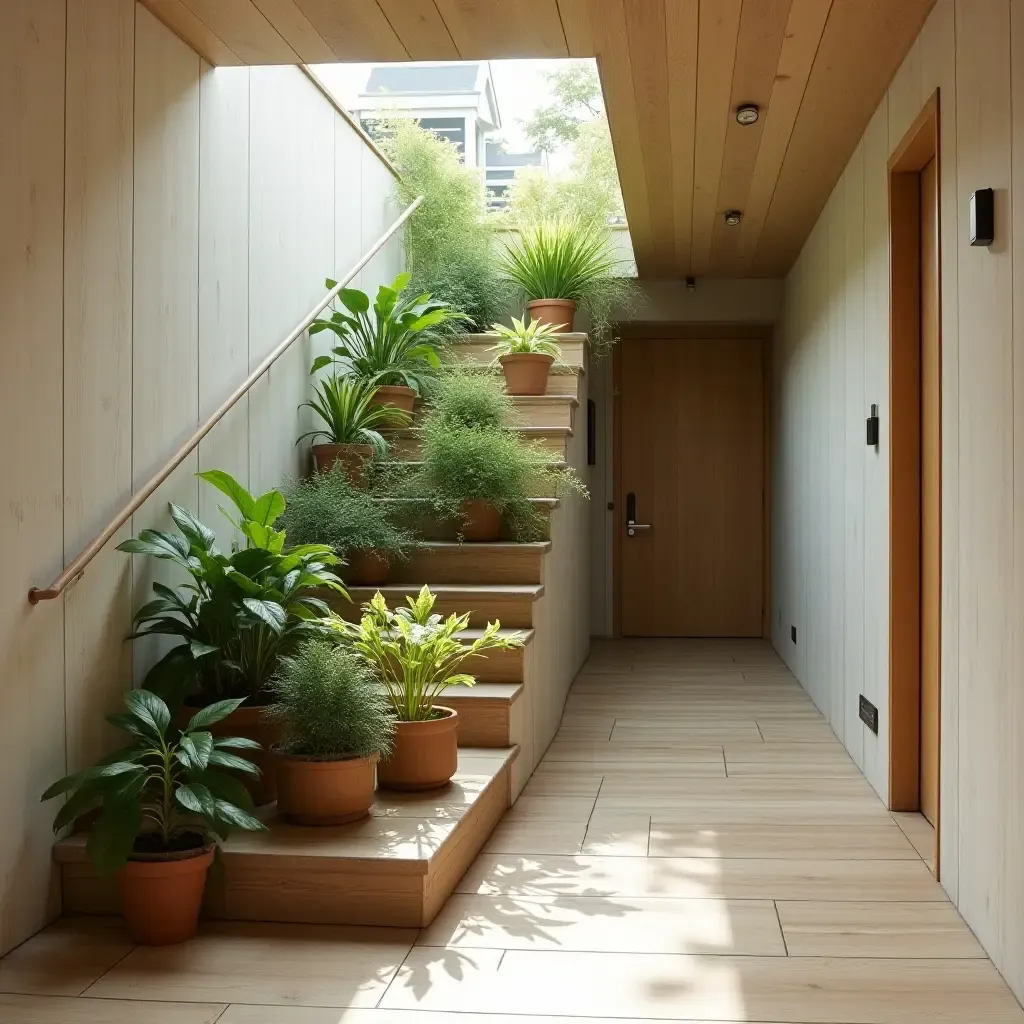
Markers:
<point>481,521</point>
<point>352,456</point>
<point>250,722</point>
<point>395,394</point>
<point>526,373</point>
<point>556,312</point>
<point>162,893</point>
<point>324,792</point>
<point>366,567</point>
<point>425,754</point>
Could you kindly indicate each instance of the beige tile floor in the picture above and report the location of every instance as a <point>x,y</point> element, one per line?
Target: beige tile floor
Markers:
<point>695,846</point>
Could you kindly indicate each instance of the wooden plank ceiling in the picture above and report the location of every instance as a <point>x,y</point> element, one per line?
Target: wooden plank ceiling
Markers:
<point>673,73</point>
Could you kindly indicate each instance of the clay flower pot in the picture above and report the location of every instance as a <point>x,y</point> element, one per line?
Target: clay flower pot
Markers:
<point>324,792</point>
<point>366,567</point>
<point>425,754</point>
<point>250,722</point>
<point>352,456</point>
<point>526,373</point>
<point>553,312</point>
<point>395,394</point>
<point>162,894</point>
<point>481,521</point>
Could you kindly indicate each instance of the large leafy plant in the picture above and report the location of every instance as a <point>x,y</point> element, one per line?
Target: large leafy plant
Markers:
<point>166,791</point>
<point>330,705</point>
<point>397,341</point>
<point>418,653</point>
<point>240,612</point>
<point>347,411</point>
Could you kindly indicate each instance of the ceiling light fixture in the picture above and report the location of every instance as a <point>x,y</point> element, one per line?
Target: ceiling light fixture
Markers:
<point>748,113</point>
<point>733,217</point>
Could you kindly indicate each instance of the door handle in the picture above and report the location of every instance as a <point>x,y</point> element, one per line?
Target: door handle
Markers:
<point>631,524</point>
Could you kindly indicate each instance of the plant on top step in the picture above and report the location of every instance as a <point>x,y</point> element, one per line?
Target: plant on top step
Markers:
<point>561,264</point>
<point>395,345</point>
<point>526,353</point>
<point>418,654</point>
<point>335,721</point>
<point>359,528</point>
<point>161,804</point>
<point>351,421</point>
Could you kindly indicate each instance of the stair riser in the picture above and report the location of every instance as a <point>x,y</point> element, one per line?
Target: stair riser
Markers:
<point>482,723</point>
<point>474,349</point>
<point>409,447</point>
<point>429,528</point>
<point>511,612</point>
<point>470,563</point>
<point>549,415</point>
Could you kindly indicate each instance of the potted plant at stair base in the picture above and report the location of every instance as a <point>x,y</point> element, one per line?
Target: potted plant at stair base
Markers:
<point>335,722</point>
<point>525,354</point>
<point>359,528</point>
<point>417,654</point>
<point>352,421</point>
<point>162,802</point>
<point>238,615</point>
<point>395,347</point>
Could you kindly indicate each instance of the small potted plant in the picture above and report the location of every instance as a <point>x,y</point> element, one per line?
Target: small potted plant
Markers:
<point>328,509</point>
<point>335,722</point>
<point>158,806</point>
<point>237,615</point>
<point>417,654</point>
<point>558,264</point>
<point>352,421</point>
<point>394,347</point>
<point>525,353</point>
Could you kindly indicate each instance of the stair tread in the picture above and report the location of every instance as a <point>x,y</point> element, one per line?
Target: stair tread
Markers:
<point>526,589</point>
<point>415,431</point>
<point>490,545</point>
<point>472,634</point>
<point>547,501</point>
<point>507,693</point>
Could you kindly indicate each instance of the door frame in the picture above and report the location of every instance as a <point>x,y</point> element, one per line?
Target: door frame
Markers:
<point>645,330</point>
<point>918,147</point>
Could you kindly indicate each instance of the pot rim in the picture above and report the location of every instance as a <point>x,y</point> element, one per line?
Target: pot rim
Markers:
<point>392,388</point>
<point>560,302</point>
<point>448,716</point>
<point>531,356</point>
<point>356,446</point>
<point>316,762</point>
<point>173,856</point>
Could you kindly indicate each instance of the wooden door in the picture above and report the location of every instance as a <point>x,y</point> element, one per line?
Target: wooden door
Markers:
<point>931,497</point>
<point>692,457</point>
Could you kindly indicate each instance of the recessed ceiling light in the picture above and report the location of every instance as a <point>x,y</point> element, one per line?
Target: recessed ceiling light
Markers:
<point>748,113</point>
<point>733,217</point>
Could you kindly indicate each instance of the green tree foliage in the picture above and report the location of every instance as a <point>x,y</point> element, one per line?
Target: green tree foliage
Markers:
<point>449,246</point>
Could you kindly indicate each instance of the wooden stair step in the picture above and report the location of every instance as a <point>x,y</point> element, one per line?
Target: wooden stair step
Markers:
<point>485,711</point>
<point>452,562</point>
<point>395,868</point>
<point>545,411</point>
<point>416,515</point>
<point>474,348</point>
<point>511,604</point>
<point>404,443</point>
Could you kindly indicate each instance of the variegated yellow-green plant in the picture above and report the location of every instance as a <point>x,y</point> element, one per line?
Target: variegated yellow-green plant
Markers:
<point>417,653</point>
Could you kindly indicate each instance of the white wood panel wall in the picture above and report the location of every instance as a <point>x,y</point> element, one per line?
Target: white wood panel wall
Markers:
<point>164,224</point>
<point>837,299</point>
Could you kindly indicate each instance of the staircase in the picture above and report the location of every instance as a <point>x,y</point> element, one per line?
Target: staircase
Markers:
<point>399,866</point>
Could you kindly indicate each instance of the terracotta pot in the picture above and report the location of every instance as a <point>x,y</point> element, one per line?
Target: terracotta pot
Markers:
<point>395,394</point>
<point>481,521</point>
<point>324,792</point>
<point>352,456</point>
<point>249,721</point>
<point>526,373</point>
<point>556,312</point>
<point>366,567</point>
<point>425,755</point>
<point>162,895</point>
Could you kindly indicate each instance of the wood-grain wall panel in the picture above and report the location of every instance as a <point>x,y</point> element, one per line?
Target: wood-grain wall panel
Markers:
<point>32,55</point>
<point>98,208</point>
<point>223,278</point>
<point>296,30</point>
<point>681,21</point>
<point>354,30</point>
<point>504,28</point>
<point>421,29</point>
<point>184,23</point>
<point>252,35</point>
<point>972,53</point>
<point>576,21</point>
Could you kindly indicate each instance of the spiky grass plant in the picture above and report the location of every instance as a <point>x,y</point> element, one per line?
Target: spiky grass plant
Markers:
<point>327,508</point>
<point>534,338</point>
<point>330,706</point>
<point>345,407</point>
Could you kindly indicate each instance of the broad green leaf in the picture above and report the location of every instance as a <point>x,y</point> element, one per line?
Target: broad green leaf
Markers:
<point>269,612</point>
<point>113,834</point>
<point>321,361</point>
<point>236,743</point>
<point>227,787</point>
<point>223,759</point>
<point>213,713</point>
<point>197,748</point>
<point>401,282</point>
<point>150,709</point>
<point>78,803</point>
<point>191,527</point>
<point>330,283</point>
<point>202,650</point>
<point>233,815</point>
<point>196,798</point>
<point>157,545</point>
<point>268,507</point>
<point>227,484</point>
<point>355,300</point>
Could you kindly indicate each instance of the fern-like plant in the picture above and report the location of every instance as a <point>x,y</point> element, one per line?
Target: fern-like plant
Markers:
<point>330,706</point>
<point>469,398</point>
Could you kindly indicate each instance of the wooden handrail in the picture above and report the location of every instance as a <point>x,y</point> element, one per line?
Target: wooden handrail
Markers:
<point>74,570</point>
